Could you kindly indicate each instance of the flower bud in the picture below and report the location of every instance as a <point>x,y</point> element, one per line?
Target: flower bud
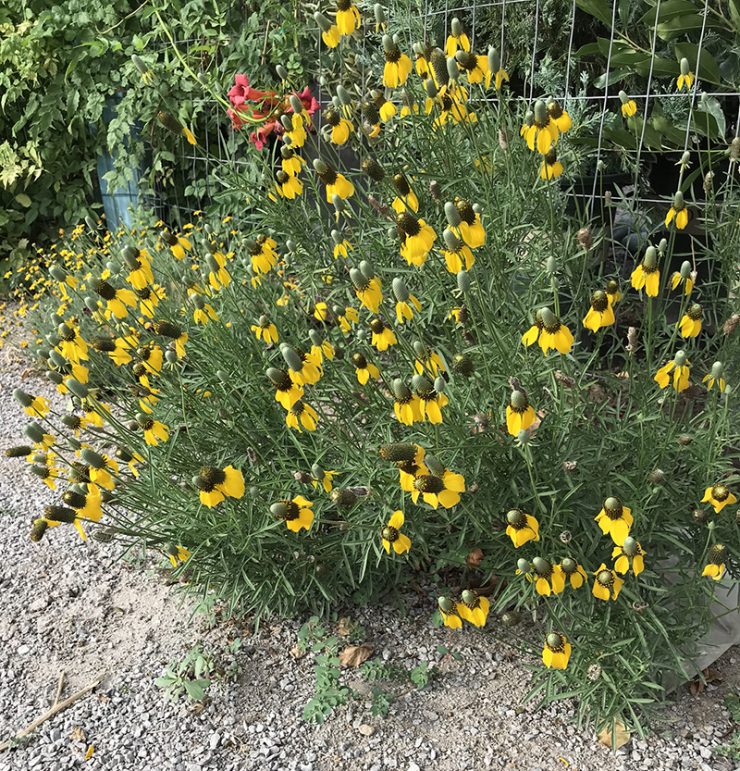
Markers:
<point>685,67</point>
<point>650,260</point>
<point>463,281</point>
<point>296,104</point>
<point>469,597</point>
<point>494,60</point>
<point>398,452</point>
<point>551,265</point>
<point>452,242</point>
<point>630,547</point>
<point>170,356</point>
<point>541,566</point>
<point>440,384</point>
<point>291,357</point>
<point>452,214</point>
<point>445,604</point>
<point>523,565</point>
<point>78,389</point>
<point>34,432</point>
<point>453,70</point>
<point>282,73</point>
<point>57,272</point>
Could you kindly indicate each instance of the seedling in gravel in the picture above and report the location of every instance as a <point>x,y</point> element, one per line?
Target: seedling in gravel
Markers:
<point>191,676</point>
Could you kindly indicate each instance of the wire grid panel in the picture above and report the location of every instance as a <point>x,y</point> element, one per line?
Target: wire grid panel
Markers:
<point>438,15</point>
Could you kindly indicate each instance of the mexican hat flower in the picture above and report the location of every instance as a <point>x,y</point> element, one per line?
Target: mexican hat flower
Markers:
<point>87,504</point>
<point>441,489</point>
<point>679,367</point>
<point>686,77</point>
<point>392,536</point>
<point>178,555</point>
<point>71,344</point>
<point>431,400</point>
<point>494,65</point>
<point>628,106</point>
<point>347,17</point>
<point>551,167</point>
<point>329,32</point>
<point>367,287</point>
<point>448,610</point>
<point>216,484</point>
<point>612,291</point>
<point>540,131</point>
<point>407,405</point>
<point>575,574</point>
<point>139,262</point>
<point>719,496</point>
<point>683,277</point>
<point>690,324</point>
<point>265,331</point>
<point>465,222</point>
<point>458,255</point>
<point>179,245</point>
<point>556,653</point>
<point>322,478</point>
<point>473,608</point>
<point>607,584</point>
<point>520,413</point>
<point>547,578</point>
<point>383,336</point>
<point>296,513</point>
<point>117,301</point>
<point>406,303</point>
<point>287,186</point>
<point>475,67</point>
<point>678,212</point>
<point>559,116</point>
<point>715,567</point>
<point>715,377</point>
<point>364,370</point>
<point>554,335</point>
<point>629,555</point>
<point>600,314</point>
<point>457,39</point>
<point>304,368</point>
<point>647,275</point>
<point>33,406</point>
<point>301,414</point>
<point>397,64</point>
<point>417,238</point>
<point>521,527</point>
<point>406,198</point>
<point>615,519</point>
<point>340,127</point>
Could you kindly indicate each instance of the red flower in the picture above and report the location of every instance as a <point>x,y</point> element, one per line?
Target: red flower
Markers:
<point>310,105</point>
<point>242,92</point>
<point>259,137</point>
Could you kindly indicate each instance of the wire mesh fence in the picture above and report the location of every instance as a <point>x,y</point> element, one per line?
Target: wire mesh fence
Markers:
<point>587,54</point>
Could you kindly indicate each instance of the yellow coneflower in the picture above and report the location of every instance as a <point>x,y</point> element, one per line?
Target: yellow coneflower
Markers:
<point>628,106</point>
<point>320,349</point>
<point>494,65</point>
<point>367,288</point>
<point>417,238</point>
<point>540,131</point>
<point>320,477</point>
<point>140,275</point>
<point>715,377</point>
<point>101,468</point>
<point>715,567</point>
<point>612,291</point>
<point>117,301</point>
<point>601,313</point>
<point>559,116</point>
<point>448,610</point>
<point>215,484</point>
<point>290,162</point>
<point>647,273</point>
<point>178,554</point>
<point>680,368</point>
<point>178,335</point>
<point>547,578</point>
<point>458,255</point>
<point>151,358</point>
<point>335,183</point>
<point>685,77</point>
<point>520,414</point>
<point>439,490</point>
<point>473,608</point>
<point>554,334</point>
<point>406,405</point>
<point>615,520</point>
<point>48,474</point>
<point>421,60</point>
<point>678,212</point>
<point>383,336</point>
<point>406,198</point>
<point>404,309</point>
<point>304,368</point>
<point>683,277</point>
<point>427,360</point>
<point>154,431</point>
<point>342,247</point>
<point>575,574</point>
<point>296,513</point>
<point>522,527</point>
<point>532,335</point>
<point>364,370</point>
<point>149,298</point>
<point>629,555</point>
<point>557,650</point>
<point>87,506</point>
<point>340,126</point>
<point>218,276</point>
<point>295,129</point>
<point>330,33</point>
<point>33,406</point>
<point>204,312</point>
<point>71,344</point>
<point>265,330</point>
<point>690,324</point>
<point>457,39</point>
<point>719,496</point>
<point>287,391</point>
<point>392,537</point>
<point>262,254</point>
<point>349,317</point>
<point>431,401</point>
<point>178,244</point>
<point>409,460</point>
<point>397,64</point>
<point>347,17</point>
<point>469,228</point>
<point>475,67</point>
<point>607,584</point>
<point>301,414</point>
<point>287,186</point>
<point>551,167</point>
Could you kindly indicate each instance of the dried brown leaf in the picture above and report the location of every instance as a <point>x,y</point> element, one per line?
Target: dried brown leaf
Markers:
<point>355,655</point>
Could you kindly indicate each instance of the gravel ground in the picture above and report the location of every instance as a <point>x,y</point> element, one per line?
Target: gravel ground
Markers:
<point>84,610</point>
